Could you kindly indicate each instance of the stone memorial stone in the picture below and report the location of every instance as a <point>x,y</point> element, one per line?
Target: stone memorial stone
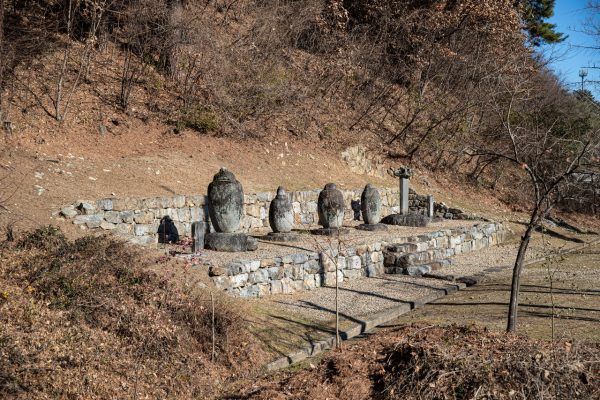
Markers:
<point>197,236</point>
<point>371,209</point>
<point>225,208</point>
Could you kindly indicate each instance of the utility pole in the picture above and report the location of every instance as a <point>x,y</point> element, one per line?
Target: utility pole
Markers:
<point>582,73</point>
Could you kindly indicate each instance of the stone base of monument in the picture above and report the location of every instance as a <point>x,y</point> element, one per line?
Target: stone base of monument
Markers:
<point>281,237</point>
<point>330,231</point>
<point>372,227</point>
<point>416,220</point>
<point>229,242</point>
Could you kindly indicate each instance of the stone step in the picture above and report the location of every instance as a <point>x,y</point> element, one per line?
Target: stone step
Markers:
<point>421,269</point>
<point>404,260</point>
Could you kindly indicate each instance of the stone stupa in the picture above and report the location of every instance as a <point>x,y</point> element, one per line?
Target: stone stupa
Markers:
<point>281,219</point>
<point>370,202</point>
<point>225,208</point>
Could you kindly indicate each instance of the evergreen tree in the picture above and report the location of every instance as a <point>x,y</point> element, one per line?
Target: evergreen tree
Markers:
<point>534,14</point>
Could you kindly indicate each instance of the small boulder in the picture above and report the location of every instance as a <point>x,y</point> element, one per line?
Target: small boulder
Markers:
<point>217,271</point>
<point>68,212</point>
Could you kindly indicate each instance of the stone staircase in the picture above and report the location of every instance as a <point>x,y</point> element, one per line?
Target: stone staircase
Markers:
<point>417,259</point>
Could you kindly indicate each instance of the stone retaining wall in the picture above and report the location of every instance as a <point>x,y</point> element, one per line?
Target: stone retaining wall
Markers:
<point>138,219</point>
<point>308,270</point>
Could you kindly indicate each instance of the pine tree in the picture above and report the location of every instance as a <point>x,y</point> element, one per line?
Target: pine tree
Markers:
<point>534,14</point>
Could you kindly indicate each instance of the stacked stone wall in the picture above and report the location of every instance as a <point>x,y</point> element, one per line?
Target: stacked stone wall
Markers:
<point>309,270</point>
<point>138,219</point>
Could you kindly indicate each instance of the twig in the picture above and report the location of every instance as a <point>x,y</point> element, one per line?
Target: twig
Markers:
<point>212,302</point>
<point>137,376</point>
<point>417,331</point>
<point>447,373</point>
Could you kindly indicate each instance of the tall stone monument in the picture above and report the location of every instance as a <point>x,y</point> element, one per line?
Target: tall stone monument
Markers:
<point>225,208</point>
<point>404,218</point>
<point>281,219</point>
<point>371,209</point>
<point>331,209</point>
<point>430,205</point>
<point>404,173</point>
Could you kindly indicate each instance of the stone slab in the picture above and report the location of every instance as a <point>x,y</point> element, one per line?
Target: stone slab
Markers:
<point>372,227</point>
<point>330,231</point>
<point>229,242</point>
<point>197,236</point>
<point>416,220</point>
<point>280,237</point>
<point>442,277</point>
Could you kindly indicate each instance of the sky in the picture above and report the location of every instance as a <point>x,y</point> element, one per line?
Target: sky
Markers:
<point>568,16</point>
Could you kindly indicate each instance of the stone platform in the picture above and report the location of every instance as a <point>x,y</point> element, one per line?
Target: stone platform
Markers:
<point>418,255</point>
<point>416,220</point>
<point>330,231</point>
<point>371,227</point>
<point>285,237</point>
<point>229,242</point>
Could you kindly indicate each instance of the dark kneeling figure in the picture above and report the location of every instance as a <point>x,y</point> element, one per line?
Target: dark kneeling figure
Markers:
<point>355,204</point>
<point>167,231</point>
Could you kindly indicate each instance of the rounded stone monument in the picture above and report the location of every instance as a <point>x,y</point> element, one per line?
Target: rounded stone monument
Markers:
<point>331,208</point>
<point>281,219</point>
<point>225,208</point>
<point>371,209</point>
<point>225,201</point>
<point>280,215</point>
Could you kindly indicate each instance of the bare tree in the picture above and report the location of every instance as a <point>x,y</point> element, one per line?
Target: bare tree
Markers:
<point>1,56</point>
<point>85,55</point>
<point>530,122</point>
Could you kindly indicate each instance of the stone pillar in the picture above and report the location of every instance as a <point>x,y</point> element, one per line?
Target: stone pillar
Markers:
<point>404,196</point>
<point>430,205</point>
<point>198,236</point>
<point>404,174</point>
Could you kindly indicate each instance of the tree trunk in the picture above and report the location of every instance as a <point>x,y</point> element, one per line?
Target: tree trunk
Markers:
<point>337,313</point>
<point>2,61</point>
<point>516,279</point>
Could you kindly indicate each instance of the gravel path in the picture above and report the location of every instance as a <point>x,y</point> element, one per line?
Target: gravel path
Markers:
<point>361,298</point>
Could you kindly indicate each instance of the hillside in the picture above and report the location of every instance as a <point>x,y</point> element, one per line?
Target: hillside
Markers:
<point>274,93</point>
<point>121,98</point>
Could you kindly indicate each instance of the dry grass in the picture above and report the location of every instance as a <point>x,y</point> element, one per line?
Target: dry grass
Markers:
<point>425,361</point>
<point>88,319</point>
